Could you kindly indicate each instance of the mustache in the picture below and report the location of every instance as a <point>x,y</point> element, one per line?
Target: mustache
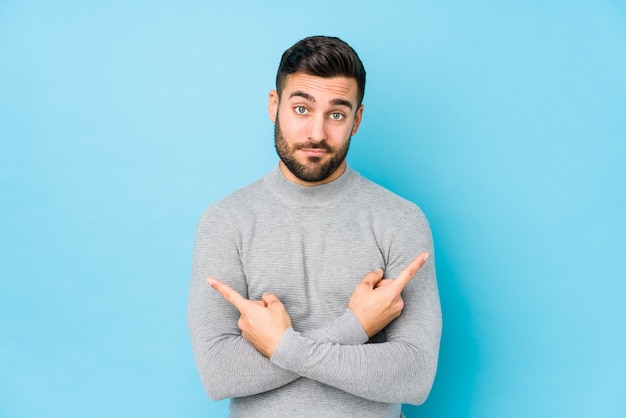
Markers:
<point>314,145</point>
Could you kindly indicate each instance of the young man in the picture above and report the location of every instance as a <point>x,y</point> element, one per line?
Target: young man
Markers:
<point>306,298</point>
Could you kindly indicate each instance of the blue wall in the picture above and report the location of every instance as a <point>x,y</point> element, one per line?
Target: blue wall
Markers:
<point>121,121</point>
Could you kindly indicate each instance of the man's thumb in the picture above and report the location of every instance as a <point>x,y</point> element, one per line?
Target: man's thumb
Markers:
<point>270,298</point>
<point>373,277</point>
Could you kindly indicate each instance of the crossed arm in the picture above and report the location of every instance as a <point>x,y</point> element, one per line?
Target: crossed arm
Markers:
<point>375,302</point>
<point>248,347</point>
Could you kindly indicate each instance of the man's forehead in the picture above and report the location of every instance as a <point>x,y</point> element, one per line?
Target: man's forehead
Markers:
<point>321,88</point>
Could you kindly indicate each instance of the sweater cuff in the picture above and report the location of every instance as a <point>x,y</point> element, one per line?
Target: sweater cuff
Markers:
<point>292,350</point>
<point>352,329</point>
<point>345,329</point>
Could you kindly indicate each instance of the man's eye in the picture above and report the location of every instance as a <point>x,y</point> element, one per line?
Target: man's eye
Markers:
<point>336,116</point>
<point>301,110</point>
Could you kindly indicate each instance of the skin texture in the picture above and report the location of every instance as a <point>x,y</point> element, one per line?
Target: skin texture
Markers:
<point>262,322</point>
<point>315,118</point>
<point>377,302</point>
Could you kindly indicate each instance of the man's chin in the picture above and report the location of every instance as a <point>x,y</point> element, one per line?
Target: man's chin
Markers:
<point>311,172</point>
<point>315,161</point>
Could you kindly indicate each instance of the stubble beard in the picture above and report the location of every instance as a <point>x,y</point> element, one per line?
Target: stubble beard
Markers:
<point>314,170</point>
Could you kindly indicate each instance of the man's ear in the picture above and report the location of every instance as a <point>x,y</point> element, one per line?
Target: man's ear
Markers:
<point>357,119</point>
<point>272,105</point>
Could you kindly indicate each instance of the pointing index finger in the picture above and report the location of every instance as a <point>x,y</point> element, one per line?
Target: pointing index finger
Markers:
<point>409,272</point>
<point>227,292</point>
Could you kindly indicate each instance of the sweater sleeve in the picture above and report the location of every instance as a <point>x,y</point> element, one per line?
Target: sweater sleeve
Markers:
<point>401,369</point>
<point>229,366</point>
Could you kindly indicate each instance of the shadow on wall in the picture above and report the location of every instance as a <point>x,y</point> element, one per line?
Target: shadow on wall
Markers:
<point>459,360</point>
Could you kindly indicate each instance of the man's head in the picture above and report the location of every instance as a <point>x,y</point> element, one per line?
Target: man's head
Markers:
<point>316,108</point>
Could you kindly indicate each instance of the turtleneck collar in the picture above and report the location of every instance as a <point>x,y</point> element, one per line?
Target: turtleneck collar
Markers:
<point>322,195</point>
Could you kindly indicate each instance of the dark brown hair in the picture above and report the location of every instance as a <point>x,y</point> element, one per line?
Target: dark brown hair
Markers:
<point>322,56</point>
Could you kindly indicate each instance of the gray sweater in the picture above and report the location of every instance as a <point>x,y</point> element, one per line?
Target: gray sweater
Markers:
<point>311,246</point>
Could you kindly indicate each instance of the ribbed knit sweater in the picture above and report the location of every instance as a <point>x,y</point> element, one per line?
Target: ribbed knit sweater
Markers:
<point>311,246</point>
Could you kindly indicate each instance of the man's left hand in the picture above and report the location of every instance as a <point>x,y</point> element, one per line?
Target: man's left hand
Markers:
<point>262,322</point>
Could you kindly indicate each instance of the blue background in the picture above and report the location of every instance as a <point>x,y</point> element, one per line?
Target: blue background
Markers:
<point>121,121</point>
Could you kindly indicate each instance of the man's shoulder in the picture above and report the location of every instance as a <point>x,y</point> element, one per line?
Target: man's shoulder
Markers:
<point>242,197</point>
<point>380,197</point>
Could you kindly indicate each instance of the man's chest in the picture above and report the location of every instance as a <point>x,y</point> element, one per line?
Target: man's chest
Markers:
<point>312,266</point>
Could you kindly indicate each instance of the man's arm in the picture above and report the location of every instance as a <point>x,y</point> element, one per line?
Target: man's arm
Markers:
<point>403,368</point>
<point>374,302</point>
<point>228,365</point>
<point>400,370</point>
<point>267,326</point>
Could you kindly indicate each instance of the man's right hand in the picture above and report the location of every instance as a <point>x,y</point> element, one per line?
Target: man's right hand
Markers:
<point>377,302</point>
<point>262,322</point>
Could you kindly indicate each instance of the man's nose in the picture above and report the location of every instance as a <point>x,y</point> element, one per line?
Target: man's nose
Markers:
<point>317,129</point>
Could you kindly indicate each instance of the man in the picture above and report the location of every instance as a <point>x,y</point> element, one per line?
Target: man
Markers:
<point>301,316</point>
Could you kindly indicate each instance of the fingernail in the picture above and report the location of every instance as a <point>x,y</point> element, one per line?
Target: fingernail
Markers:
<point>426,256</point>
<point>210,282</point>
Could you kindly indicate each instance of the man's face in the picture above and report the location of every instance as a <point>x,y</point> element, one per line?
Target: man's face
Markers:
<point>314,120</point>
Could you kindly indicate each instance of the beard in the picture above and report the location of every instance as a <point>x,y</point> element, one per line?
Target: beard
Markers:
<point>314,169</point>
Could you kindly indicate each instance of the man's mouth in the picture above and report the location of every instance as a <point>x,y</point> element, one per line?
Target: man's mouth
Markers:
<point>314,149</point>
<point>314,152</point>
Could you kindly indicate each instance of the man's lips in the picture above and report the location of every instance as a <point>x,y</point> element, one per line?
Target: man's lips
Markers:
<point>314,152</point>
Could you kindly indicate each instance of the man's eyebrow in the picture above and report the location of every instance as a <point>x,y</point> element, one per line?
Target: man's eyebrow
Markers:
<point>334,102</point>
<point>341,102</point>
<point>305,96</point>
